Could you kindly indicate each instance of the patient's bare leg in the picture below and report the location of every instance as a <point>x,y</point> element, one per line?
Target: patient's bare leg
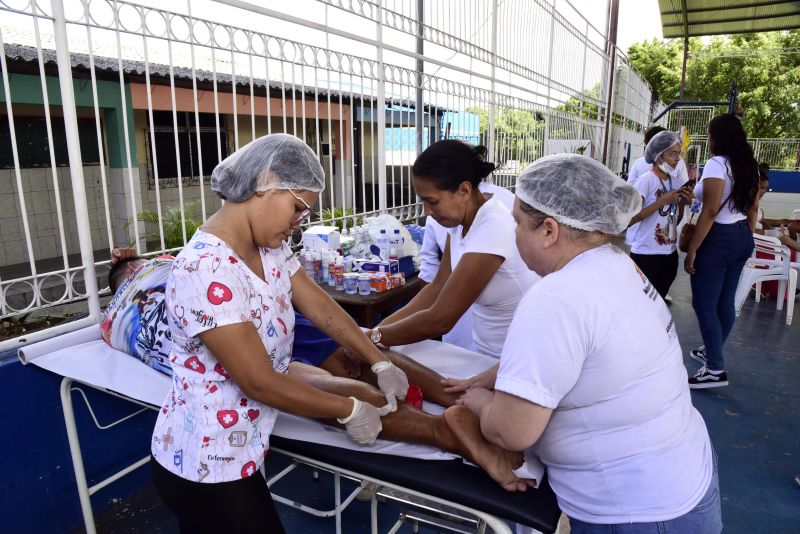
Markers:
<point>461,436</point>
<point>495,460</point>
<point>428,380</point>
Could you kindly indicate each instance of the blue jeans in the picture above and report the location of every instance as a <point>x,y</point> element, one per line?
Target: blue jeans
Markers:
<point>705,518</point>
<point>718,265</point>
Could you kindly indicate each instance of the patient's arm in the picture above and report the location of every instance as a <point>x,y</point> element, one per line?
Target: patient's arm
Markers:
<point>458,431</point>
<point>428,380</point>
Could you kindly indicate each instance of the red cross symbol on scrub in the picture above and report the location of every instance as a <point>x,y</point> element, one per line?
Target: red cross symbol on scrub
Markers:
<point>248,469</point>
<point>283,306</point>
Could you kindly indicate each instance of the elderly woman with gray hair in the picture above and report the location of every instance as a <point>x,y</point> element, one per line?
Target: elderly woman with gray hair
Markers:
<point>230,301</point>
<point>591,377</point>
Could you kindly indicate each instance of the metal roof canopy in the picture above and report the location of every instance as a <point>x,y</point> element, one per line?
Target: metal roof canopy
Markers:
<point>691,18</point>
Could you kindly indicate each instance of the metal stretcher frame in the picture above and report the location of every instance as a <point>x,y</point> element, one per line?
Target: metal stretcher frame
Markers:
<point>68,386</point>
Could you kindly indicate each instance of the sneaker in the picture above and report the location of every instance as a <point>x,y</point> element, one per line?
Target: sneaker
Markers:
<point>704,379</point>
<point>698,354</point>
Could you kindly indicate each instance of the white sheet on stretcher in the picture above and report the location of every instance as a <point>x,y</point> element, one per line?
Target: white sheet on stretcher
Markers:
<point>83,356</point>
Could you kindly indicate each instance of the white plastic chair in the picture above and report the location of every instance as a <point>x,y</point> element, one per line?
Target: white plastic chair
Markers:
<point>758,270</point>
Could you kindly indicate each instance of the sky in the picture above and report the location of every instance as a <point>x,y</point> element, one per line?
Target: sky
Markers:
<point>639,20</point>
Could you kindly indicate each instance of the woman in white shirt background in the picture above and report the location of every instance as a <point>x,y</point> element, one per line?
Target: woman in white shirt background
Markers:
<point>654,239</point>
<point>641,165</point>
<point>430,253</point>
<point>722,242</point>
<point>481,269</point>
<point>230,300</point>
<point>591,377</point>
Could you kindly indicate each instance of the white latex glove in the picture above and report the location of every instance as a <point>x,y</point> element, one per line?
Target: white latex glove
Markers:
<point>364,423</point>
<point>392,381</point>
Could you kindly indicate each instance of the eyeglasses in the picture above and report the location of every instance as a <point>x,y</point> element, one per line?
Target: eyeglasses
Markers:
<point>299,217</point>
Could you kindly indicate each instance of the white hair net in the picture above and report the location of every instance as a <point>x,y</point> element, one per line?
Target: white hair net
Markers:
<point>579,192</point>
<point>276,161</point>
<point>659,144</point>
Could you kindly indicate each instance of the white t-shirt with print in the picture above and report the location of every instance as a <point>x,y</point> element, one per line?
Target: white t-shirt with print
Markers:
<point>595,343</point>
<point>434,241</point>
<point>493,232</point>
<point>652,235</point>
<point>718,167</point>
<point>208,430</point>
<point>640,167</point>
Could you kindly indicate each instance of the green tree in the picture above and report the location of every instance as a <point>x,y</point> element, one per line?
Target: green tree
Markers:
<point>518,132</point>
<point>768,82</point>
<point>172,224</point>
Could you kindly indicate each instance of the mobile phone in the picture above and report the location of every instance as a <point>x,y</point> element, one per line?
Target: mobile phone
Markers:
<point>690,184</point>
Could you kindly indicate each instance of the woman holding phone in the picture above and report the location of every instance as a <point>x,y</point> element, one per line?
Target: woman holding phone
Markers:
<point>655,237</point>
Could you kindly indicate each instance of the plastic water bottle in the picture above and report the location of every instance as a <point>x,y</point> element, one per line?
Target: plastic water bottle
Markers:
<point>308,263</point>
<point>384,244</point>
<point>397,241</point>
<point>317,270</point>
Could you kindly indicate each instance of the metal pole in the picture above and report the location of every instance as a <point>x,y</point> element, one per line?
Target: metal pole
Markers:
<point>420,114</point>
<point>74,442</point>
<point>611,48</point>
<point>381,110</point>
<point>682,95</point>
<point>74,152</point>
<point>492,94</point>
<point>550,53</point>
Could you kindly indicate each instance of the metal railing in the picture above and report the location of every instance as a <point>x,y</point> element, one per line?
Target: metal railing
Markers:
<point>368,84</point>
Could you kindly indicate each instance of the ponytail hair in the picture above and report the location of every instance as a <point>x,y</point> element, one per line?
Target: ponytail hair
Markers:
<point>730,140</point>
<point>450,162</point>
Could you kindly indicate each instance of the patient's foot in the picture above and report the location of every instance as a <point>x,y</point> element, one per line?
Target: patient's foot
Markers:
<point>496,461</point>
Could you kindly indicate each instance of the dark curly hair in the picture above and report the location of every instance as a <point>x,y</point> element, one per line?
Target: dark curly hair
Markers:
<point>449,162</point>
<point>118,271</point>
<point>652,131</point>
<point>729,139</point>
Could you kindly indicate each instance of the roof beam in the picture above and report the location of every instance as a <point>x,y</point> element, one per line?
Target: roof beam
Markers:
<point>765,3</point>
<point>733,19</point>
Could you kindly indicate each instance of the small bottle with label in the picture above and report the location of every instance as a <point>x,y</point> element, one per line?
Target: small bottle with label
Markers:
<point>317,267</point>
<point>339,273</point>
<point>331,269</point>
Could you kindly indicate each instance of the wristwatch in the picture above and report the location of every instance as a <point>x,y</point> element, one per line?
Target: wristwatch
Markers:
<point>375,337</point>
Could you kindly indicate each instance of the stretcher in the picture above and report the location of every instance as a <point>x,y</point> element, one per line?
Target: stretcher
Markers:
<point>432,483</point>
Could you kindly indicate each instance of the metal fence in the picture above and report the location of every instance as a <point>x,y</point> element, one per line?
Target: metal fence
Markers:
<point>113,109</point>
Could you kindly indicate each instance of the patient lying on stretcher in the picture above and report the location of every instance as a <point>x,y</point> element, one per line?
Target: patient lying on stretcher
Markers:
<point>134,322</point>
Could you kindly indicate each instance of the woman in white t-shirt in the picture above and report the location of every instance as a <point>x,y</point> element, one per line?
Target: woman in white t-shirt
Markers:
<point>481,270</point>
<point>591,377</point>
<point>430,258</point>
<point>655,235</point>
<point>230,300</point>
<point>722,242</point>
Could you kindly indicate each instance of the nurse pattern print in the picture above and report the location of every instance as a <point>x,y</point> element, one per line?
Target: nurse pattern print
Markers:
<point>208,430</point>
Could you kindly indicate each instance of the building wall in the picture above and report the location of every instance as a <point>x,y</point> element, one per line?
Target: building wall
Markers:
<point>40,203</point>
